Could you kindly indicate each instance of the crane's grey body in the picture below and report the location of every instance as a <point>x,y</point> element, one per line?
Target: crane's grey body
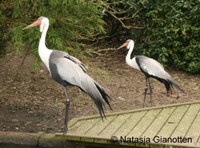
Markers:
<point>150,68</point>
<point>68,71</point>
<point>60,64</point>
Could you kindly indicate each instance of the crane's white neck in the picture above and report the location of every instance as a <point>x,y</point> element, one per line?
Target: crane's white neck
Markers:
<point>131,62</point>
<point>130,50</point>
<point>44,52</point>
<point>43,29</point>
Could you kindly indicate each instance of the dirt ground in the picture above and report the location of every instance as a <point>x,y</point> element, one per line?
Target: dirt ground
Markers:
<point>34,102</point>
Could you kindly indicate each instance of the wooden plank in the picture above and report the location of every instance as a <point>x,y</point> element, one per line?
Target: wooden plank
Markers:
<point>129,124</point>
<point>99,127</point>
<point>72,122</point>
<point>173,121</point>
<point>20,138</point>
<point>32,140</point>
<point>158,123</point>
<point>137,110</point>
<point>138,130</point>
<point>115,124</point>
<point>194,130</point>
<point>186,121</point>
<point>85,126</point>
<point>75,126</point>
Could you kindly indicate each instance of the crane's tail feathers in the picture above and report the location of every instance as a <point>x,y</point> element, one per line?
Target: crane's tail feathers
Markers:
<point>99,100</point>
<point>99,96</point>
<point>170,83</point>
<point>103,94</point>
<point>99,105</point>
<point>175,84</point>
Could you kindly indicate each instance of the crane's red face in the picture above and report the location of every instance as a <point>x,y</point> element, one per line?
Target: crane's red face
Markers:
<point>36,23</point>
<point>123,45</point>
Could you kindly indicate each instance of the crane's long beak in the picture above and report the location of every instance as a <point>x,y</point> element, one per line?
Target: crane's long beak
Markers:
<point>36,23</point>
<point>124,45</point>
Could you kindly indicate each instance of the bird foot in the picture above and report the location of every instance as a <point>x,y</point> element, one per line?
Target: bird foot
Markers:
<point>173,96</point>
<point>65,129</point>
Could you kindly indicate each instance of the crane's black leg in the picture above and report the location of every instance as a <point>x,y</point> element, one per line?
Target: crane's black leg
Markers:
<point>145,91</point>
<point>66,112</point>
<point>150,90</point>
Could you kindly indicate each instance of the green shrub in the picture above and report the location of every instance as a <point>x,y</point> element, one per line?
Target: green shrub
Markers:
<point>71,23</point>
<point>166,30</point>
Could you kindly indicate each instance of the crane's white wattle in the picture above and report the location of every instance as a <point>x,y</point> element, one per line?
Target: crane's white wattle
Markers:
<point>43,51</point>
<point>131,62</point>
<point>41,27</point>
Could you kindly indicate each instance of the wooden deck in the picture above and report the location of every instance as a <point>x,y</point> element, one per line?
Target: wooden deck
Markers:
<point>172,125</point>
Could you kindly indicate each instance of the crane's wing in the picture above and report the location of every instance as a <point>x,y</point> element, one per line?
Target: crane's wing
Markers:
<point>77,61</point>
<point>62,54</point>
<point>67,72</point>
<point>151,67</point>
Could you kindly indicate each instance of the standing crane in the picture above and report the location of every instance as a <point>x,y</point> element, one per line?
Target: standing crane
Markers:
<point>68,71</point>
<point>150,68</point>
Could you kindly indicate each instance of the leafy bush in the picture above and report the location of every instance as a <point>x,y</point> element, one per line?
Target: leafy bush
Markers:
<point>71,22</point>
<point>166,30</point>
